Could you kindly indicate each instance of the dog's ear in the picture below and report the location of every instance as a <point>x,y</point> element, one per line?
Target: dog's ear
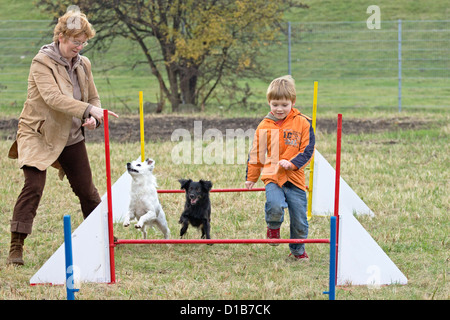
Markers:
<point>150,163</point>
<point>206,184</point>
<point>185,183</point>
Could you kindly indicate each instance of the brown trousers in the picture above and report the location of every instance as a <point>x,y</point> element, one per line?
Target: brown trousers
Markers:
<point>74,160</point>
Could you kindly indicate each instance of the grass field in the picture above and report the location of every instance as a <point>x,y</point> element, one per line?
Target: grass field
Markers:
<point>357,67</point>
<point>402,175</point>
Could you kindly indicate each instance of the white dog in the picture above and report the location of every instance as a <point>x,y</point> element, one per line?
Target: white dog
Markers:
<point>144,203</point>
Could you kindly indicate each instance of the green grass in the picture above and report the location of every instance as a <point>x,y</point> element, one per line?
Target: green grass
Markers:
<point>355,10</point>
<point>401,175</point>
<point>352,72</point>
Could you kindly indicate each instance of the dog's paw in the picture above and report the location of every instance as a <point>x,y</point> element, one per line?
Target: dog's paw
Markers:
<point>137,226</point>
<point>126,224</point>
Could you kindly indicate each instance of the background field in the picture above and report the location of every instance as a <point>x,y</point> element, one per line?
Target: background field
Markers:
<point>401,174</point>
<point>330,42</point>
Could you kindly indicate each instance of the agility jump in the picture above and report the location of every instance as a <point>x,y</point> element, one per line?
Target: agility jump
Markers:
<point>112,242</point>
<point>353,255</point>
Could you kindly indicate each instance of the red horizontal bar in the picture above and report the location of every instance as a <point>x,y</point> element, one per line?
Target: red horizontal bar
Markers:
<point>210,241</point>
<point>213,190</point>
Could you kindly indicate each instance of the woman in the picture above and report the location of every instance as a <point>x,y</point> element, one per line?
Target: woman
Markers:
<point>62,101</point>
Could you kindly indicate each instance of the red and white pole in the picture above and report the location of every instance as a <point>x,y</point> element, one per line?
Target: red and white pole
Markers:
<point>109,197</point>
<point>337,183</point>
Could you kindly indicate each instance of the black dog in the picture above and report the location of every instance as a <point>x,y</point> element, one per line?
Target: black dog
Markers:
<point>197,209</point>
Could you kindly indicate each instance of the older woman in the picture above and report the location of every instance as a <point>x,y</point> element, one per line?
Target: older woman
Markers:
<point>62,101</point>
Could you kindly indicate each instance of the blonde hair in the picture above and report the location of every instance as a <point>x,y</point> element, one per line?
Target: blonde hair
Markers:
<point>282,88</point>
<point>73,24</point>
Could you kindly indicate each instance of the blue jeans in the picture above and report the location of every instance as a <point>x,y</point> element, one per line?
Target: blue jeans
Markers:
<point>291,197</point>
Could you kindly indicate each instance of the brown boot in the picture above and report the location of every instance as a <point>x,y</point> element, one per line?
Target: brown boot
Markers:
<point>16,249</point>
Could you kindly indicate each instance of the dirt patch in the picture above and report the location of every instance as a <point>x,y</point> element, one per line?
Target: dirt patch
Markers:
<point>160,128</point>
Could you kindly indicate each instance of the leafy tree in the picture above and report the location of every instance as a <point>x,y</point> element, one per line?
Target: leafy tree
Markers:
<point>203,44</point>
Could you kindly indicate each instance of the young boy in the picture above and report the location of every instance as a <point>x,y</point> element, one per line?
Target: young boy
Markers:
<point>282,146</point>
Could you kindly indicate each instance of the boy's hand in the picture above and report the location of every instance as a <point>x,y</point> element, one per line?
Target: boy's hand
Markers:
<point>249,184</point>
<point>285,165</point>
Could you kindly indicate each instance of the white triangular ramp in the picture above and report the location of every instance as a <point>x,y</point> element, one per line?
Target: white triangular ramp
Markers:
<point>324,180</point>
<point>361,261</point>
<point>90,242</point>
<point>89,251</point>
<point>121,197</point>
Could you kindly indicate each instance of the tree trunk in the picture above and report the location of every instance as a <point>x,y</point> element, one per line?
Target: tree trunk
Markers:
<point>188,85</point>
<point>174,95</point>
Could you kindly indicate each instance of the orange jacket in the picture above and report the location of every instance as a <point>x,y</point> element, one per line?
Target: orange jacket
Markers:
<point>290,139</point>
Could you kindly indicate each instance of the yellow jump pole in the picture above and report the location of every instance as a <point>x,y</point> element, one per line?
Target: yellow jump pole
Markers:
<point>141,113</point>
<point>311,164</point>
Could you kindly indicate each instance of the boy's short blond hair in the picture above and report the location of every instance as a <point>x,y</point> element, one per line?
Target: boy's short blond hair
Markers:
<point>282,88</point>
<point>73,24</point>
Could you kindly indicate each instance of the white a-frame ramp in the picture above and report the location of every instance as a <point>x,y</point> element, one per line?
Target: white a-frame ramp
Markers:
<point>323,192</point>
<point>90,247</point>
<point>360,260</point>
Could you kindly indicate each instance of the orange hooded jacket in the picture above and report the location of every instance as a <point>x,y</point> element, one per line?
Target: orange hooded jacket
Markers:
<point>290,139</point>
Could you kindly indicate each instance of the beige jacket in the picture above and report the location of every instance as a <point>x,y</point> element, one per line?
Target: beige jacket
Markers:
<point>46,119</point>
